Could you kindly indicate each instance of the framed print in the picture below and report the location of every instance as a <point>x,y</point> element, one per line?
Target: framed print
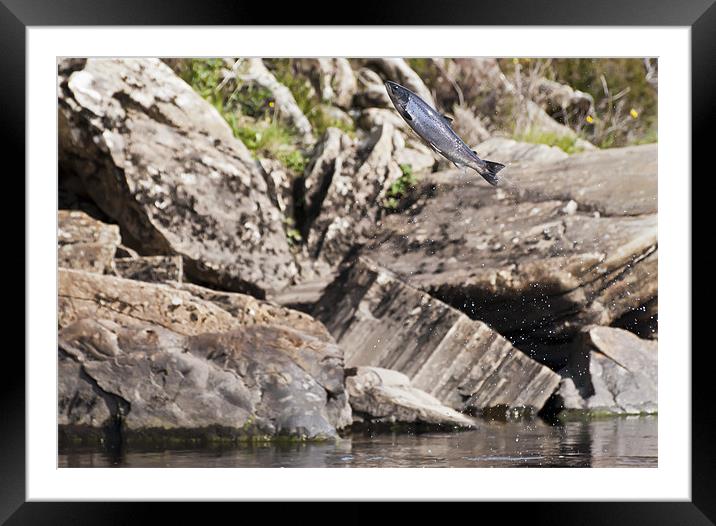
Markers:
<point>430,241</point>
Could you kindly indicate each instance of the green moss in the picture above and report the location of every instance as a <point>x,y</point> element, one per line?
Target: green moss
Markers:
<point>586,415</point>
<point>563,142</point>
<point>293,234</point>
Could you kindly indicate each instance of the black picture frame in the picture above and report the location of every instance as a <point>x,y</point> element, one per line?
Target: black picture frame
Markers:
<point>699,15</point>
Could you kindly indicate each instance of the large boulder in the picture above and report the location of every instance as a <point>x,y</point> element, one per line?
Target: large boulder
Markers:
<point>163,164</point>
<point>151,383</point>
<point>574,245</point>
<point>85,243</point>
<point>614,371</point>
<point>184,308</point>
<point>382,322</point>
<point>381,396</point>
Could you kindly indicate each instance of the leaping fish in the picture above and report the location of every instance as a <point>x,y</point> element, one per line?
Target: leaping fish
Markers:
<point>436,130</point>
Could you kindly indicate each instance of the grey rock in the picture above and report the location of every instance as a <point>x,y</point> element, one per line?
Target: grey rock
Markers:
<point>305,294</point>
<point>162,163</point>
<point>259,380</point>
<point>382,396</point>
<point>154,269</point>
<point>85,243</point>
<point>333,78</point>
<point>511,151</point>
<point>356,185</point>
<point>82,403</point>
<point>372,117</point>
<point>469,126</point>
<point>614,372</point>
<point>327,159</point>
<point>614,182</point>
<point>371,91</point>
<point>280,184</point>
<point>398,70</point>
<point>527,263</point>
<point>382,322</point>
<point>416,155</point>
<point>562,102</point>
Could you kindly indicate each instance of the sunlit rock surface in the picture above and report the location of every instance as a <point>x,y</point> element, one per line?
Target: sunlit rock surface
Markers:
<point>510,151</point>
<point>247,310</point>
<point>87,295</point>
<point>382,396</point>
<point>163,163</point>
<point>380,321</point>
<point>352,185</point>
<point>575,245</point>
<point>182,307</point>
<point>615,372</point>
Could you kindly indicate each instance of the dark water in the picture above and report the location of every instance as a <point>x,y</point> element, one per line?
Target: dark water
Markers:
<point>613,442</point>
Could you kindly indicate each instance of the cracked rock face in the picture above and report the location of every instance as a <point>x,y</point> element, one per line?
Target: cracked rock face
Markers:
<point>355,183</point>
<point>257,380</point>
<point>543,262</point>
<point>382,322</point>
<point>85,295</point>
<point>162,163</point>
<point>614,372</point>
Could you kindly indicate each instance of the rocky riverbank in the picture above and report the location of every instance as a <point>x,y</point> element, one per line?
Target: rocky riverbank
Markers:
<point>209,291</point>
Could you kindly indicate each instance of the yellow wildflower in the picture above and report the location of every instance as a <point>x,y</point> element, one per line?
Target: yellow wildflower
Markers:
<point>589,119</point>
<point>634,114</point>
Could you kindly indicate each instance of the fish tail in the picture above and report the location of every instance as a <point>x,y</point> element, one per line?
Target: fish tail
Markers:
<point>490,171</point>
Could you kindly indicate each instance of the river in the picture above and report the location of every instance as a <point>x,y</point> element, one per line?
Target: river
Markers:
<point>604,442</point>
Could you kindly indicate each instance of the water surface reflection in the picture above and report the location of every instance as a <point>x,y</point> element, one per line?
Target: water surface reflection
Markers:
<point>613,442</point>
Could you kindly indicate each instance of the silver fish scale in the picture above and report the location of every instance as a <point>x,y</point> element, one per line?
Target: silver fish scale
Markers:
<point>434,129</point>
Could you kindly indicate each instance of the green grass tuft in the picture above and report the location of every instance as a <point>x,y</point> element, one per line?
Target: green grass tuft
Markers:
<point>563,142</point>
<point>400,187</point>
<point>248,110</point>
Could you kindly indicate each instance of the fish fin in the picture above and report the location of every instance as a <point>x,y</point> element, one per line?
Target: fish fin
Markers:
<point>447,119</point>
<point>490,172</point>
<point>436,149</point>
<point>405,115</point>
